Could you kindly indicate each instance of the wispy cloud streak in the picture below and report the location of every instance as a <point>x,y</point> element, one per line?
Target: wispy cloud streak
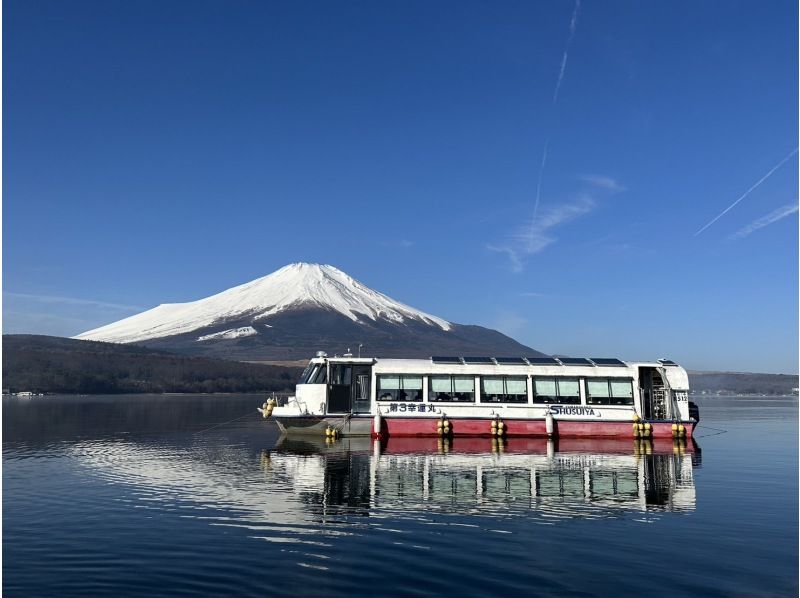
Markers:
<point>603,182</point>
<point>538,189</point>
<point>531,240</point>
<point>770,218</point>
<point>749,191</point>
<point>71,301</point>
<point>573,24</point>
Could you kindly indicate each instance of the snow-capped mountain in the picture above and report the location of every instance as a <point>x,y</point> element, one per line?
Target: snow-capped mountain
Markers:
<point>296,311</point>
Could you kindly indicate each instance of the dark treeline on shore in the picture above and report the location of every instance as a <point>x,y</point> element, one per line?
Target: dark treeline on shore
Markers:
<point>46,364</point>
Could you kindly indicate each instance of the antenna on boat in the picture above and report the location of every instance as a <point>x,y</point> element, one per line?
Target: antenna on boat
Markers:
<point>359,349</point>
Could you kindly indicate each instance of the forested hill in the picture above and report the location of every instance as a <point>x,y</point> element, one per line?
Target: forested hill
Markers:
<point>742,383</point>
<point>48,364</point>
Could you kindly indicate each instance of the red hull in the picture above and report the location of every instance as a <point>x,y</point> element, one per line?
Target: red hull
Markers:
<point>404,427</point>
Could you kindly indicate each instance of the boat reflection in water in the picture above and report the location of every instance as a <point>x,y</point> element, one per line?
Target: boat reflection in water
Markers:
<point>562,479</point>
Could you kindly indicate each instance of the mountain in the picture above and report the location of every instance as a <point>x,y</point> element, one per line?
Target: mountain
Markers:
<point>297,311</point>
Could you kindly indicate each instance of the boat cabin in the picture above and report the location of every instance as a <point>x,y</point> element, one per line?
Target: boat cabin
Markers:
<point>462,386</point>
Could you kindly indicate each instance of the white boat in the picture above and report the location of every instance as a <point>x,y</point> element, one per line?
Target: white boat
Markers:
<point>488,396</point>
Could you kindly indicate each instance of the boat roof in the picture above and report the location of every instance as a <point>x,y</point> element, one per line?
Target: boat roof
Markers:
<point>537,362</point>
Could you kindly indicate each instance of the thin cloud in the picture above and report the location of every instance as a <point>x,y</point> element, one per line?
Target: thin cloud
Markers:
<point>533,294</point>
<point>749,191</point>
<point>603,182</point>
<point>770,218</point>
<point>573,24</point>
<point>401,243</point>
<point>539,185</point>
<point>512,254</point>
<point>531,240</point>
<point>71,301</point>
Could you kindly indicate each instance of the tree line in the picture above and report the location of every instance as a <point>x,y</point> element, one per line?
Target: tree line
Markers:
<point>44,364</point>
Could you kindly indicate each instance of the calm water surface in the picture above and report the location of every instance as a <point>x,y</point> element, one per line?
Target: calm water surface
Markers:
<point>165,495</point>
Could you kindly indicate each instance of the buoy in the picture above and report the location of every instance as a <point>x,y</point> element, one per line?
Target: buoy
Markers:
<point>494,424</point>
<point>376,425</point>
<point>681,429</point>
<point>328,431</point>
<point>636,430</point>
<point>549,423</point>
<point>636,417</point>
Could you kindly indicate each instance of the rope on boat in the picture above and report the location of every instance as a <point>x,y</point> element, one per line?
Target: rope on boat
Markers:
<point>717,431</point>
<point>225,423</point>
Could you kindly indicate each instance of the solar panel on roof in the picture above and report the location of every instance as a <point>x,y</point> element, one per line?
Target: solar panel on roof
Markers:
<point>477,360</point>
<point>574,361</point>
<point>542,361</point>
<point>510,360</point>
<point>606,361</point>
<point>445,359</point>
<point>666,362</point>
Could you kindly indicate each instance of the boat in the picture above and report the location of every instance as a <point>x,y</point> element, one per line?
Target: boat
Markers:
<point>446,396</point>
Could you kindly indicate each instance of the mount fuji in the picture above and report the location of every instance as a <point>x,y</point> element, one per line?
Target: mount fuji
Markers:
<point>297,311</point>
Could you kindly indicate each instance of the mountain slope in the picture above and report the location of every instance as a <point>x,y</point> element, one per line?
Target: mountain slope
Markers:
<point>296,311</point>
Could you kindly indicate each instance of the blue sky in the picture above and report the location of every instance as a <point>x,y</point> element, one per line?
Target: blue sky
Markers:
<point>518,165</point>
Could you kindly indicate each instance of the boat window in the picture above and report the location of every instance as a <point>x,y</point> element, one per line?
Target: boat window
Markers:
<point>459,389</point>
<point>565,391</point>
<point>309,373</point>
<point>569,390</point>
<point>393,387</point>
<point>306,373</point>
<point>319,376</point>
<point>340,375</point>
<point>609,391</point>
<point>504,389</point>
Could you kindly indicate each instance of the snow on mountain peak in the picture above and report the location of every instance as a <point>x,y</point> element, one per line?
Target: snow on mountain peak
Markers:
<point>295,285</point>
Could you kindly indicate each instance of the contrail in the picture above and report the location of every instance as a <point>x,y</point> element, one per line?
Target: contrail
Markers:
<point>749,191</point>
<point>572,26</point>
<point>538,192</point>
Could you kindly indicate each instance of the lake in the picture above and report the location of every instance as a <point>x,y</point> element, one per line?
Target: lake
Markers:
<point>196,495</point>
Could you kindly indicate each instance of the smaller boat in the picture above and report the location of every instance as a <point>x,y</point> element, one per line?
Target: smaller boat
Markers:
<point>488,396</point>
